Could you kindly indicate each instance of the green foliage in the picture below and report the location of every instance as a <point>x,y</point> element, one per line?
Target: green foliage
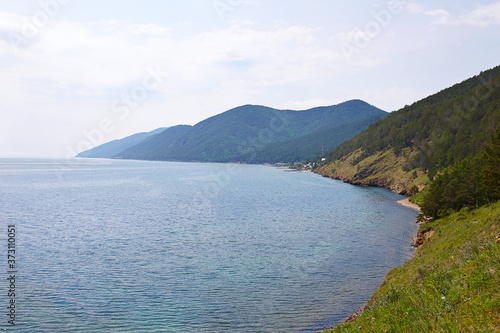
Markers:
<point>470,183</point>
<point>442,129</point>
<point>313,145</point>
<point>361,157</point>
<point>491,172</point>
<point>457,187</point>
<point>451,285</point>
<point>413,190</point>
<point>258,134</point>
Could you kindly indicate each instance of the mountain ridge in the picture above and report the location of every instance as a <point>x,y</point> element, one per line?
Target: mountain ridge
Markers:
<point>115,146</point>
<point>241,134</point>
<point>405,150</point>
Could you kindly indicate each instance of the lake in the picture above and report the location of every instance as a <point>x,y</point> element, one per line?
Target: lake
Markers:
<point>136,246</point>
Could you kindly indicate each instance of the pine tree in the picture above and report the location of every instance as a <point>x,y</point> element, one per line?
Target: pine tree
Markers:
<point>491,172</point>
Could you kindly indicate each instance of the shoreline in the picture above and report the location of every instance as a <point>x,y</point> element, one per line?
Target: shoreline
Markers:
<point>408,204</point>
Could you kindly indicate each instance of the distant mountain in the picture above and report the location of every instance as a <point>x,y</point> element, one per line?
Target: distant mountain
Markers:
<point>110,149</point>
<point>314,145</point>
<point>411,145</point>
<point>166,135</point>
<point>257,134</point>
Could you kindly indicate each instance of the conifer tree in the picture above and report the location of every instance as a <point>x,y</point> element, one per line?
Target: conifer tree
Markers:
<point>491,172</point>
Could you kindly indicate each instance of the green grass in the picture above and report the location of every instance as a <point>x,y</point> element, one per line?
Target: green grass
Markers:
<point>383,168</point>
<point>451,285</point>
<point>418,198</point>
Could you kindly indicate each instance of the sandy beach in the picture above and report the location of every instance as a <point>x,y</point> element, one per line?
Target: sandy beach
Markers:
<point>407,203</point>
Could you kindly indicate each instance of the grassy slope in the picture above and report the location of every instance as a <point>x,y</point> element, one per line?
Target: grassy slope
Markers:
<point>380,169</point>
<point>430,134</point>
<point>451,285</point>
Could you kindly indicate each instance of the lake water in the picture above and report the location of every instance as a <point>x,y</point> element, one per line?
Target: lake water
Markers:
<point>133,246</point>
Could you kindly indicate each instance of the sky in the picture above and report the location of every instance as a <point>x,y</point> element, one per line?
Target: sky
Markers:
<point>78,73</point>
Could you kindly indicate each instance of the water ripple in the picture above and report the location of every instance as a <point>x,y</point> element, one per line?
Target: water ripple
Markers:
<point>126,246</point>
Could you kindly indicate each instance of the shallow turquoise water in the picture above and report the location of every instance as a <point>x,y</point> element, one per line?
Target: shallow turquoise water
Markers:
<point>130,246</point>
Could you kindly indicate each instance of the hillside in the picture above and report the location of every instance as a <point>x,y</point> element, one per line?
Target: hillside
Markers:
<point>259,134</point>
<point>451,285</point>
<point>405,149</point>
<point>311,146</point>
<point>110,149</point>
<point>448,143</point>
<point>169,133</point>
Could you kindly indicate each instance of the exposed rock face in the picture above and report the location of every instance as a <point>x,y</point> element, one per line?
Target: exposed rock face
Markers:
<point>400,187</point>
<point>422,236</point>
<point>382,169</point>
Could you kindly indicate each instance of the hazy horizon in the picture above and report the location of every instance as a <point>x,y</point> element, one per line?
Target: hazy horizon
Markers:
<point>71,67</point>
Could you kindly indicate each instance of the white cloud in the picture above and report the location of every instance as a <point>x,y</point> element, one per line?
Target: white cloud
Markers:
<point>149,30</point>
<point>413,7</point>
<point>10,21</point>
<point>76,71</point>
<point>65,79</point>
<point>481,16</point>
<point>441,16</point>
<point>358,47</point>
<point>105,55</point>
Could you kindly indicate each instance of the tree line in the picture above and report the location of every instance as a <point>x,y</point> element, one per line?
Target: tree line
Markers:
<point>473,182</point>
<point>443,128</point>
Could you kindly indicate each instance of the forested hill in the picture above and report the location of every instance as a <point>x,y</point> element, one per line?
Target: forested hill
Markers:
<point>259,134</point>
<point>445,151</point>
<point>422,138</point>
<point>115,147</point>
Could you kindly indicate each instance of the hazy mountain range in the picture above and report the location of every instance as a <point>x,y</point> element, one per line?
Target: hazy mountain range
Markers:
<point>248,134</point>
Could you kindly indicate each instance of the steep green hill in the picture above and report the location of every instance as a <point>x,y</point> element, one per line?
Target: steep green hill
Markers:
<point>256,134</point>
<point>312,146</point>
<point>450,142</point>
<point>421,139</point>
<point>451,285</point>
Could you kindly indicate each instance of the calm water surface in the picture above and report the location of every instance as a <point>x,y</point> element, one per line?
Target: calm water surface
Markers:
<point>130,246</point>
